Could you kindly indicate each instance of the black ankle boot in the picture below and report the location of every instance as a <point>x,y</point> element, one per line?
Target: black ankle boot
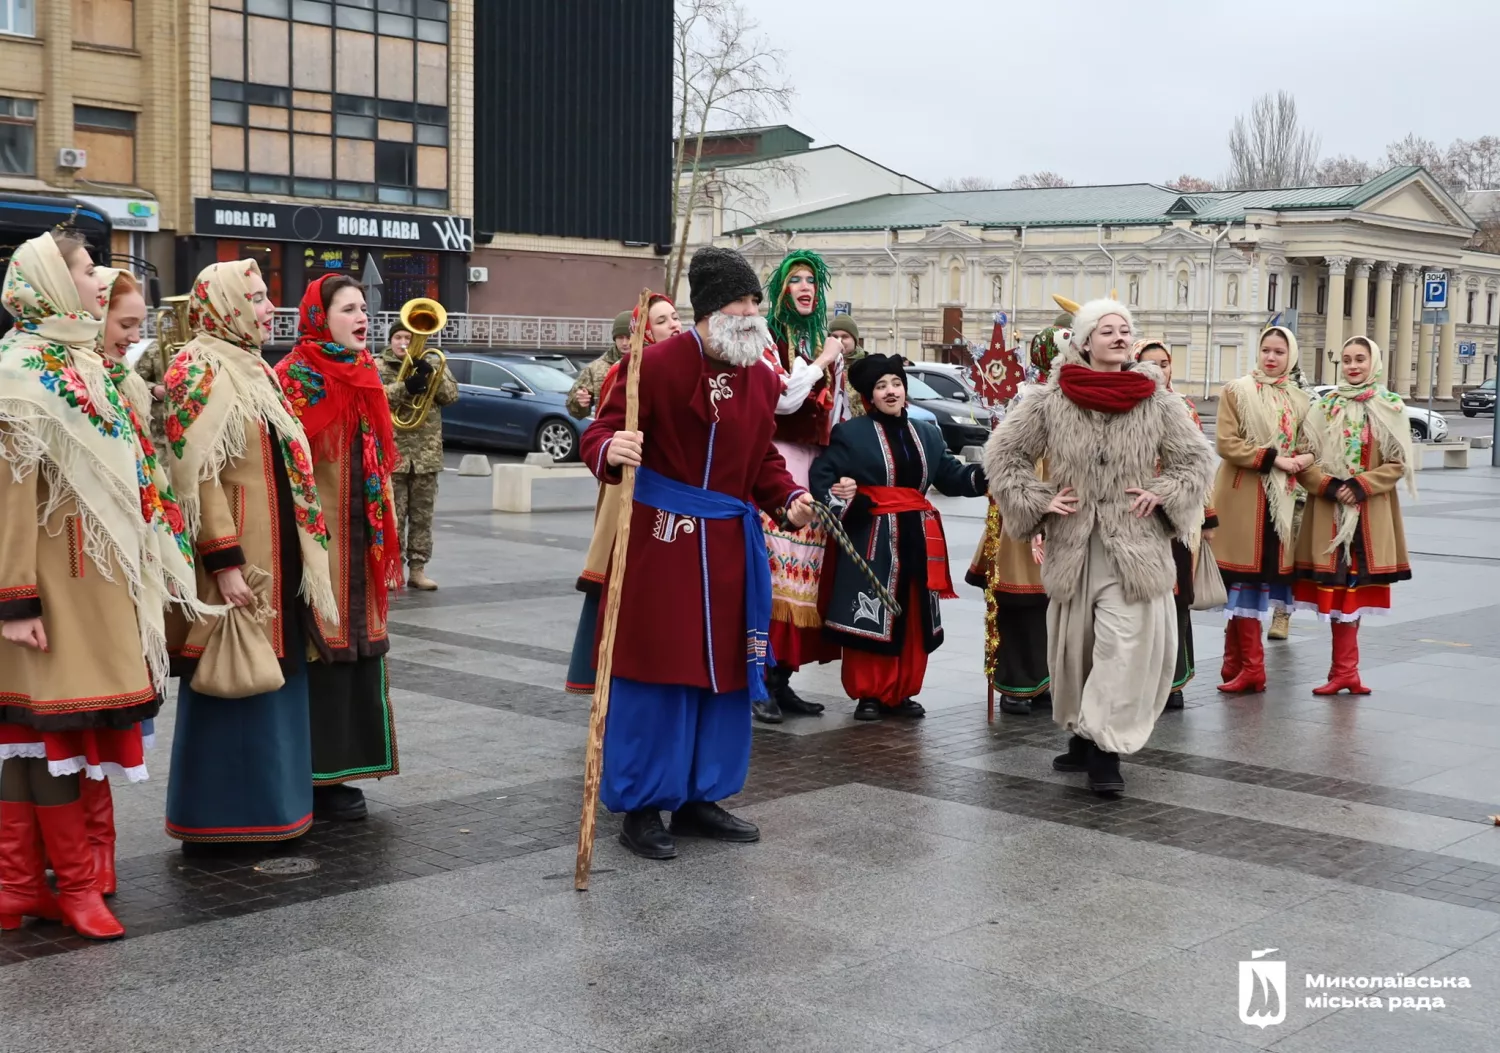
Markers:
<point>706,819</point>
<point>780,683</point>
<point>868,709</point>
<point>1016,707</point>
<point>643,833</point>
<point>909,708</point>
<point>340,803</point>
<point>767,712</point>
<point>1104,772</point>
<point>1174,700</point>
<point>1077,757</point>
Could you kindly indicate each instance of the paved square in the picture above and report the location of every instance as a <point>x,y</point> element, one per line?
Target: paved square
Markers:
<point>919,886</point>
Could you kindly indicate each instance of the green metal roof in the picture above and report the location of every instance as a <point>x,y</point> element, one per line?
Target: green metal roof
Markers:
<point>1120,205</point>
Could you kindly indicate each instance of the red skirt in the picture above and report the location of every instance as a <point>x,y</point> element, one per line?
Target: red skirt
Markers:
<point>1341,603</point>
<point>798,646</point>
<point>97,752</point>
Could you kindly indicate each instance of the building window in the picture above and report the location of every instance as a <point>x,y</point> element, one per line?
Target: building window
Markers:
<point>1322,296</point>
<point>1271,284</point>
<point>1349,300</point>
<point>1472,297</point>
<point>17,136</point>
<point>104,23</point>
<point>266,254</point>
<point>1489,309</point>
<point>394,165</point>
<point>19,17</point>
<point>1294,293</point>
<point>109,138</point>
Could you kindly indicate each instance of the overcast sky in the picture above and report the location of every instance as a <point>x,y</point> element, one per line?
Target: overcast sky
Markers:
<point>1120,92</point>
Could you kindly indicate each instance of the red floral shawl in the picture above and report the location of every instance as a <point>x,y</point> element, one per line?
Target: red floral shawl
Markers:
<point>336,393</point>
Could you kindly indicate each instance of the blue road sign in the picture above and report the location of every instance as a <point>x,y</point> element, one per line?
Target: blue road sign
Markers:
<point>1002,318</point>
<point>1434,290</point>
<point>1467,350</point>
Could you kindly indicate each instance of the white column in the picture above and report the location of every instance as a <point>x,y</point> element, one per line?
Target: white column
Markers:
<point>1333,339</point>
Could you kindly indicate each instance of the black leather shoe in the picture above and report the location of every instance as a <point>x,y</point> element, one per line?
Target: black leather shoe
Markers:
<point>706,819</point>
<point>1077,757</point>
<point>1019,707</point>
<point>1042,701</point>
<point>1104,773</point>
<point>909,708</point>
<point>868,709</point>
<point>1174,700</point>
<point>790,701</point>
<point>767,712</point>
<point>340,803</point>
<point>643,833</point>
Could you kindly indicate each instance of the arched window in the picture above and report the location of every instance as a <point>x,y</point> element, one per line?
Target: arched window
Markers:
<point>955,282</point>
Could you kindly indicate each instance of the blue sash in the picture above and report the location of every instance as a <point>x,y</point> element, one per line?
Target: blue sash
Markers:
<point>657,491</point>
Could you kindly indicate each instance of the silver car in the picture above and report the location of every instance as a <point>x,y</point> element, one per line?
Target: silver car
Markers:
<point>1425,426</point>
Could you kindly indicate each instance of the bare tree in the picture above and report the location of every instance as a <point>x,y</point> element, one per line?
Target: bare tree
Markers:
<point>726,76</point>
<point>1037,180</point>
<point>1487,237</point>
<point>1268,148</point>
<point>1190,184</point>
<point>1476,162</point>
<point>968,182</point>
<point>1343,170</point>
<point>1415,150</point>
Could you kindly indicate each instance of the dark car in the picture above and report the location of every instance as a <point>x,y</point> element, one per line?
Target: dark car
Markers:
<point>1479,400</point>
<point>514,404</point>
<point>960,424</point>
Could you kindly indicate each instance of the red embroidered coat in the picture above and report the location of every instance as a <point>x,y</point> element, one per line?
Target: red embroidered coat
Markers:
<point>705,424</point>
<point>813,421</point>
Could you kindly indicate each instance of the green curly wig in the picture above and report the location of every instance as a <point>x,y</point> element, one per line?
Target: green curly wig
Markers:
<point>786,324</point>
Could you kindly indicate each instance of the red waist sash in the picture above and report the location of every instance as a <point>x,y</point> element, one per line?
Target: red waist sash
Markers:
<point>893,499</point>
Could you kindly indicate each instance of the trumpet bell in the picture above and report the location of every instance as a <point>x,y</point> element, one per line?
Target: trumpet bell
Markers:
<point>424,317</point>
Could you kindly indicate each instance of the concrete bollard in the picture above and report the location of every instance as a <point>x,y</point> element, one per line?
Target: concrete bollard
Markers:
<point>539,460</point>
<point>973,454</point>
<point>474,464</point>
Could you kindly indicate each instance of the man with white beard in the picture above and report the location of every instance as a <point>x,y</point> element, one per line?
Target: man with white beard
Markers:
<point>691,646</point>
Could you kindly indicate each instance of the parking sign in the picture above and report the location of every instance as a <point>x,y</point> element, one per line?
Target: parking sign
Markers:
<point>1467,350</point>
<point>1434,290</point>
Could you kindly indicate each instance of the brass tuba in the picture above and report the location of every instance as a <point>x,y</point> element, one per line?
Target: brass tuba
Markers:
<point>172,330</point>
<point>425,318</point>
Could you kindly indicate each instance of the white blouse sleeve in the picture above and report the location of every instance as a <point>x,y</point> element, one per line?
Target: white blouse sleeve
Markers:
<point>798,386</point>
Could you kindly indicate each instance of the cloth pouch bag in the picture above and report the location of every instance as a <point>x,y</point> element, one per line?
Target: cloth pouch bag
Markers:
<point>238,660</point>
<point>1209,592</point>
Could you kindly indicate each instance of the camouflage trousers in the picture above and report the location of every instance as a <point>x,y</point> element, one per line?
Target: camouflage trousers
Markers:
<point>416,497</point>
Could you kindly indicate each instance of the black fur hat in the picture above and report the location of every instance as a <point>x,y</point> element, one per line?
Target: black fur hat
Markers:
<point>717,277</point>
<point>866,373</point>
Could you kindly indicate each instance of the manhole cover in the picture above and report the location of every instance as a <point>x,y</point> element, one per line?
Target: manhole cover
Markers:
<point>293,865</point>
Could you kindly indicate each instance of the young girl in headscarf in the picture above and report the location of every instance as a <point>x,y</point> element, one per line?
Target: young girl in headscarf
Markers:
<point>91,552</point>
<point>333,385</point>
<point>242,766</point>
<point>661,322</point>
<point>1352,545</point>
<point>1257,434</point>
<point>1184,553</point>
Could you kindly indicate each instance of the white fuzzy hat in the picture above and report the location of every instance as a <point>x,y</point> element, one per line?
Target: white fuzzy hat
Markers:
<point>1087,318</point>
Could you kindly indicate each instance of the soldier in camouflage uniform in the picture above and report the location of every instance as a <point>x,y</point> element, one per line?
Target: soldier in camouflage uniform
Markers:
<point>583,397</point>
<point>844,327</point>
<point>150,369</point>
<point>415,481</point>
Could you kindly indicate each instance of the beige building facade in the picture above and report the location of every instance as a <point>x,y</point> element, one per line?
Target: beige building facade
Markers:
<point>318,137</point>
<point>1204,272</point>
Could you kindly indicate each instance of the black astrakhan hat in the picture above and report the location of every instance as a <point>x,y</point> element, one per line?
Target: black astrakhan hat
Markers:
<point>866,373</point>
<point>717,277</point>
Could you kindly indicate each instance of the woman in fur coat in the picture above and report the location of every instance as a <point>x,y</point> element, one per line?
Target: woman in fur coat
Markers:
<point>1351,546</point>
<point>1127,472</point>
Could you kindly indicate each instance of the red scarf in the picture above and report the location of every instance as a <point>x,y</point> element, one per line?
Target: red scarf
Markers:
<point>337,394</point>
<point>1105,392</point>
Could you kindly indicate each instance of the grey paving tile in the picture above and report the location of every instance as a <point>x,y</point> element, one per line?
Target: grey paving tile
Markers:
<point>1380,1031</point>
<point>1079,1024</point>
<point>1390,912</point>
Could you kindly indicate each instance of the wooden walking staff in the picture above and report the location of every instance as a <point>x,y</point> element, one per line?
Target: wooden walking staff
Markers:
<point>593,765</point>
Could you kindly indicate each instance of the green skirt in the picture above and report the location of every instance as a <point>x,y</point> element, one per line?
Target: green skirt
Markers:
<point>353,728</point>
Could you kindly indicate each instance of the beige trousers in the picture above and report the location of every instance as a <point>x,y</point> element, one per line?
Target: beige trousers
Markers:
<point>1111,660</point>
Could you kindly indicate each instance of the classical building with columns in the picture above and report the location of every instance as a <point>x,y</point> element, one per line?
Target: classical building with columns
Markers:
<point>1205,272</point>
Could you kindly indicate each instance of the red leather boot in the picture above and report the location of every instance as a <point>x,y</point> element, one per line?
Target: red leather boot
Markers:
<point>1252,675</point>
<point>1343,675</point>
<point>1234,660</point>
<point>23,873</point>
<point>65,833</point>
<point>99,808</point>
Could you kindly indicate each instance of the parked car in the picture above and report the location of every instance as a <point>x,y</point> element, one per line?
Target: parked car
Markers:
<point>960,424</point>
<point>947,380</point>
<point>515,404</point>
<point>556,359</point>
<point>1478,400</point>
<point>1425,427</point>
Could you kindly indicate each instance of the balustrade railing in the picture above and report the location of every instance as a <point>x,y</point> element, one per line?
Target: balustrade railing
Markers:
<point>475,330</point>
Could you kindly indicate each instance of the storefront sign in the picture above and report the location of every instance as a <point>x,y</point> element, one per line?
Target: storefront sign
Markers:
<point>126,213</point>
<point>276,221</point>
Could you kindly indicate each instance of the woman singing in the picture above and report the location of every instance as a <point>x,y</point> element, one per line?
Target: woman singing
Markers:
<point>91,551</point>
<point>1127,471</point>
<point>1352,545</point>
<point>333,385</point>
<point>1259,425</point>
<point>242,766</point>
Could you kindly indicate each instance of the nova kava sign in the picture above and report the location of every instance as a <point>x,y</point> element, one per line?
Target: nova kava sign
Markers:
<point>279,221</point>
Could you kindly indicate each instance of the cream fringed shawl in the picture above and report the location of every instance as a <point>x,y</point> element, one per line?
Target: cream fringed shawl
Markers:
<point>1271,411</point>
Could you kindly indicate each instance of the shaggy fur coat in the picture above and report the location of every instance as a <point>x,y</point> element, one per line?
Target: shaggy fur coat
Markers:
<point>1155,446</point>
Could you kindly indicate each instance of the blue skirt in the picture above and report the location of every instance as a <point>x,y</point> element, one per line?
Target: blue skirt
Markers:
<point>1257,599</point>
<point>241,767</point>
